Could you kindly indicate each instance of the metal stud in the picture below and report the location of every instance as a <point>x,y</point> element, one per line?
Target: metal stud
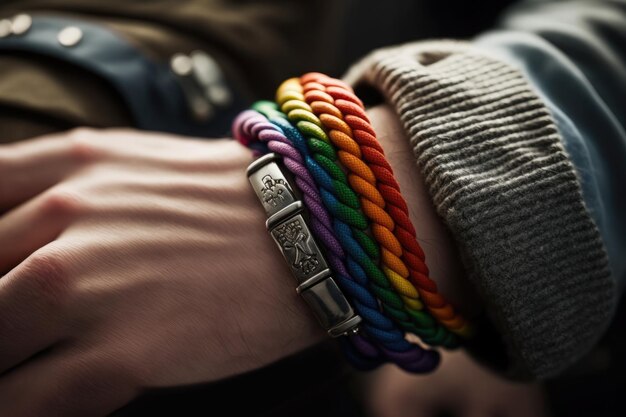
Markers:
<point>206,69</point>
<point>21,24</point>
<point>70,36</point>
<point>181,64</point>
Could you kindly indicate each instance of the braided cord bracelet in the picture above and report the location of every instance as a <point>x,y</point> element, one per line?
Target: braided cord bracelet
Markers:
<point>251,127</point>
<point>393,344</point>
<point>271,111</point>
<point>343,114</point>
<point>408,314</point>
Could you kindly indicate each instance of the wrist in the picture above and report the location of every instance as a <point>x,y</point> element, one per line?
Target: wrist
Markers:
<point>281,323</point>
<point>434,237</point>
<point>363,207</point>
<point>288,326</point>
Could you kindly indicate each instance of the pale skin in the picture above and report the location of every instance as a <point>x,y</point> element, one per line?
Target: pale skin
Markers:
<point>138,260</point>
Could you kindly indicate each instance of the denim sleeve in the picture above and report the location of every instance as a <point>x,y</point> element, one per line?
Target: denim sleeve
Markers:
<point>574,55</point>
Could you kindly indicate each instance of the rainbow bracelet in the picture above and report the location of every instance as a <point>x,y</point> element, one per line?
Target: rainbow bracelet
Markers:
<point>349,128</point>
<point>389,344</point>
<point>318,131</point>
<point>398,295</point>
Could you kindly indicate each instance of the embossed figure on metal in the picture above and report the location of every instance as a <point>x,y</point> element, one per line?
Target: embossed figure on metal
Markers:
<point>331,307</point>
<point>275,190</point>
<point>270,184</point>
<point>297,245</point>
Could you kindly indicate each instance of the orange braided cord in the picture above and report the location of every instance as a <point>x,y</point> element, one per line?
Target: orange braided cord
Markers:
<point>291,99</point>
<point>405,289</point>
<point>371,176</point>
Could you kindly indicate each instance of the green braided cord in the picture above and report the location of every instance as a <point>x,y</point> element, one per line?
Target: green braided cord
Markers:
<point>323,151</point>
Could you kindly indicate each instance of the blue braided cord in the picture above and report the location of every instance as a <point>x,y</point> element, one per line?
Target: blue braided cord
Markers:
<point>385,331</point>
<point>357,360</point>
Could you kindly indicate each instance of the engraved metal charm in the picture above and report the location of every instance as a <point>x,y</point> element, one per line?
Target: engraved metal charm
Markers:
<point>274,191</point>
<point>296,244</point>
<point>270,184</point>
<point>294,239</point>
<point>293,236</point>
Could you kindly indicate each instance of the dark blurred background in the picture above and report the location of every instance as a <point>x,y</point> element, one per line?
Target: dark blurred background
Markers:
<point>370,24</point>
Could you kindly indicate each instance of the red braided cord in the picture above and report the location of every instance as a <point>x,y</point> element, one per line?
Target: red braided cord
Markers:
<point>333,100</point>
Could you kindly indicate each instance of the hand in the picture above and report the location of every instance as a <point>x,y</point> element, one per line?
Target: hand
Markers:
<point>460,387</point>
<point>134,261</point>
<point>139,260</point>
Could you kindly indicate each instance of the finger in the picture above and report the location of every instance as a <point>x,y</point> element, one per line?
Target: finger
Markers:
<point>31,167</point>
<point>32,225</point>
<point>67,383</point>
<point>32,300</point>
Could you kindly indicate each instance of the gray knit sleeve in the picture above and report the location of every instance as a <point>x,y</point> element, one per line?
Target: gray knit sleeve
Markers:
<point>501,181</point>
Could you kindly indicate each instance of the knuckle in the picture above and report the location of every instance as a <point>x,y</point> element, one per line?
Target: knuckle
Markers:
<point>47,273</point>
<point>62,202</point>
<point>83,146</point>
<point>47,262</point>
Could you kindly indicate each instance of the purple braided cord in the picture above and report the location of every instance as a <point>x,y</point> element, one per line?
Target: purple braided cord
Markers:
<point>250,126</point>
<point>253,124</point>
<point>258,126</point>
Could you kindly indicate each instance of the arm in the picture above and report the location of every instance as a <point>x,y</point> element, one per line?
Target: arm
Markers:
<point>141,261</point>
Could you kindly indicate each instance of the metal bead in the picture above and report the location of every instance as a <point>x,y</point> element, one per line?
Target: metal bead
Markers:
<point>70,36</point>
<point>21,24</point>
<point>331,308</point>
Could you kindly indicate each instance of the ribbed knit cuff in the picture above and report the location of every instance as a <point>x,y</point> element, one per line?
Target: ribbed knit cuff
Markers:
<point>500,179</point>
